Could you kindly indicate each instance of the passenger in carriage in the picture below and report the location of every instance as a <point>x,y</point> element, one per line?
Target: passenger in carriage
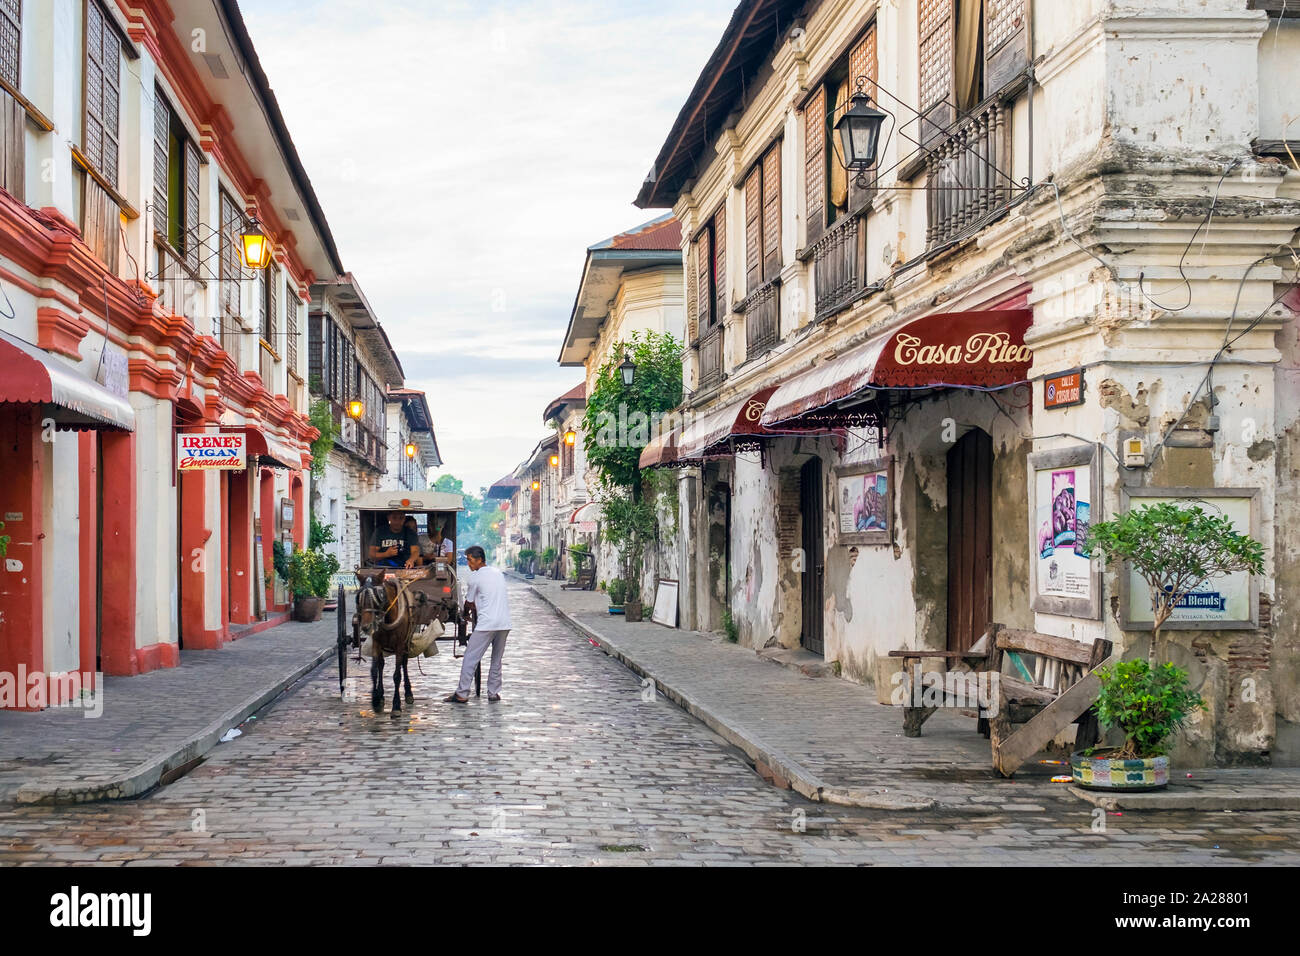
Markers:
<point>393,545</point>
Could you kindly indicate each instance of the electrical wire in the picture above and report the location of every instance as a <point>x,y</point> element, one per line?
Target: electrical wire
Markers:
<point>1182,259</point>
<point>12,313</point>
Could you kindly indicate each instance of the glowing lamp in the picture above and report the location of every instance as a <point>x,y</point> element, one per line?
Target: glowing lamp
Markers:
<point>411,449</point>
<point>570,437</point>
<point>537,485</point>
<point>555,461</point>
<point>356,408</point>
<point>255,246</point>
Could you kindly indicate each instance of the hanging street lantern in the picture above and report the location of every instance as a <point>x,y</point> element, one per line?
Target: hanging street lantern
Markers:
<point>411,449</point>
<point>255,246</point>
<point>628,370</point>
<point>570,437</point>
<point>859,132</point>
<point>356,408</point>
<point>537,485</point>
<point>555,461</point>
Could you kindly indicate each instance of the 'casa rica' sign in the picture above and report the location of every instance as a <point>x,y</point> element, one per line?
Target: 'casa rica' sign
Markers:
<point>227,451</point>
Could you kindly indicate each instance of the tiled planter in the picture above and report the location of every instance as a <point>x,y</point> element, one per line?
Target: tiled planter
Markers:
<point>1107,773</point>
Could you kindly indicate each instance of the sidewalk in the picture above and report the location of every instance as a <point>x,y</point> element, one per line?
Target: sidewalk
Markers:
<point>153,723</point>
<point>831,741</point>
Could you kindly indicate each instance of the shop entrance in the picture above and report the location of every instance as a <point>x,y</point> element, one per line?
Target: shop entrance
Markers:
<point>814,572</point>
<point>970,538</point>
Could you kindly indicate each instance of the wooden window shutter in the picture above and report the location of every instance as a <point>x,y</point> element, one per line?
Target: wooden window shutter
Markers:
<point>11,29</point>
<point>291,306</point>
<point>103,93</point>
<point>272,281</point>
<point>1006,42</point>
<point>190,222</point>
<point>231,268</point>
<point>862,63</point>
<point>935,30</point>
<point>720,264</point>
<point>263,290</point>
<point>315,363</point>
<point>772,212</point>
<point>692,302</point>
<point>814,164</point>
<point>162,121</point>
<point>754,229</point>
<point>703,285</point>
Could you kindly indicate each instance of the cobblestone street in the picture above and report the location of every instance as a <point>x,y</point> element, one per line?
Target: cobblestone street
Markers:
<point>572,767</point>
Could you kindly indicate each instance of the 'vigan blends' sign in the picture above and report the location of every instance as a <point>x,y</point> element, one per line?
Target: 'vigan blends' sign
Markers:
<point>225,451</point>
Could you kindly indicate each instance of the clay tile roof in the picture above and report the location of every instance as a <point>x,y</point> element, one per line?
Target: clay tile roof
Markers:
<point>576,394</point>
<point>652,236</point>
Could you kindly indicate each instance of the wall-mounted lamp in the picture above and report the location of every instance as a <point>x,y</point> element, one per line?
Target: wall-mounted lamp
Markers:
<point>356,408</point>
<point>411,449</point>
<point>628,369</point>
<point>255,246</point>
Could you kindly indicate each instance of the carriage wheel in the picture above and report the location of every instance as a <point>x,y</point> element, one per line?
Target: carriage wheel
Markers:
<point>342,639</point>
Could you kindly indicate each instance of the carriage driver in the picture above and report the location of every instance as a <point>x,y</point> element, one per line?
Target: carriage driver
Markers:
<point>394,546</point>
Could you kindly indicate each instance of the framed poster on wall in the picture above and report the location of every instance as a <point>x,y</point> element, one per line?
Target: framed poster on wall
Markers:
<point>1064,501</point>
<point>1230,602</point>
<point>864,502</point>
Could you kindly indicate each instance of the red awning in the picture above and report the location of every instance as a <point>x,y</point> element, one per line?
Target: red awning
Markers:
<point>662,450</point>
<point>703,436</point>
<point>589,513</point>
<point>984,350</point>
<point>32,375</point>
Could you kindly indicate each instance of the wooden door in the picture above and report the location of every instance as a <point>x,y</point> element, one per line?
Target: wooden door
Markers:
<point>810,507</point>
<point>970,539</point>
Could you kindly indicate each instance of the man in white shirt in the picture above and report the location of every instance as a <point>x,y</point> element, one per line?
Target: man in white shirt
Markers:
<point>486,605</point>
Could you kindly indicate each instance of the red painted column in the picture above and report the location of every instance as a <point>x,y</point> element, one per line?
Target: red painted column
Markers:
<point>88,519</point>
<point>194,562</point>
<point>299,510</point>
<point>117,618</point>
<point>267,511</point>
<point>224,484</point>
<point>240,534</point>
<point>22,649</point>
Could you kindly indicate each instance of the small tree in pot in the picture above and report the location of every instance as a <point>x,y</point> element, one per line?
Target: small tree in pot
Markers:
<point>1174,550</point>
<point>310,575</point>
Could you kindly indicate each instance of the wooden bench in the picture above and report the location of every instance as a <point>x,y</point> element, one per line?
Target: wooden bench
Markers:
<point>586,580</point>
<point>968,661</point>
<point>1059,691</point>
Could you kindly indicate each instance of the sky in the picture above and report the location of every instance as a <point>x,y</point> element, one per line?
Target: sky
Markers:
<point>466,154</point>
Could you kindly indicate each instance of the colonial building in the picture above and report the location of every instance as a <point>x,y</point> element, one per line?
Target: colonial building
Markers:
<point>574,516</point>
<point>352,368</point>
<point>412,443</point>
<point>1055,283</point>
<point>630,283</point>
<point>143,143</point>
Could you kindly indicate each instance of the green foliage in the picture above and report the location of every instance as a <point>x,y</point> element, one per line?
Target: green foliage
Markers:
<point>548,555</point>
<point>729,625</point>
<point>1147,704</point>
<point>617,591</point>
<point>280,560</point>
<point>4,541</point>
<point>322,419</point>
<point>1175,550</point>
<point>524,560</point>
<point>661,483</point>
<point>320,534</point>
<point>618,419</point>
<point>449,484</point>
<point>311,572</point>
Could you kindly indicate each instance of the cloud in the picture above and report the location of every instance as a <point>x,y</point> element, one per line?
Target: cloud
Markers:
<point>466,154</point>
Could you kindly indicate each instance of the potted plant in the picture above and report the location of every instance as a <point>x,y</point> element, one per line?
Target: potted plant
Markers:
<point>617,591</point>
<point>632,609</point>
<point>310,575</point>
<point>1147,704</point>
<point>548,560</point>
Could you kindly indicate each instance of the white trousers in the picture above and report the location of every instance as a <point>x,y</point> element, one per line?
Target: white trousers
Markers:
<point>474,651</point>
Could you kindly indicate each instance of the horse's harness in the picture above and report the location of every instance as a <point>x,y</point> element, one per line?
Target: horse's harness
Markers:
<point>391,627</point>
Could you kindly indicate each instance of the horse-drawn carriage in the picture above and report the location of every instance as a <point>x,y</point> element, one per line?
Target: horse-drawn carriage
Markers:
<point>403,604</point>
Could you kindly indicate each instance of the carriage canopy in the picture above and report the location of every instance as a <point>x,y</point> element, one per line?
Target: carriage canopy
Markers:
<point>408,501</point>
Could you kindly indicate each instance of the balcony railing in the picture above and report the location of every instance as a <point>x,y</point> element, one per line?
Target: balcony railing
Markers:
<point>839,272</point>
<point>711,356</point>
<point>762,320</point>
<point>968,174</point>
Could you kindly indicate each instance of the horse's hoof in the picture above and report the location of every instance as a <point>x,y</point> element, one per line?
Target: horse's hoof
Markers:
<point>410,698</point>
<point>377,704</point>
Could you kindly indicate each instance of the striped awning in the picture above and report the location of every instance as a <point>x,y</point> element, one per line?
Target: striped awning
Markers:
<point>74,402</point>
